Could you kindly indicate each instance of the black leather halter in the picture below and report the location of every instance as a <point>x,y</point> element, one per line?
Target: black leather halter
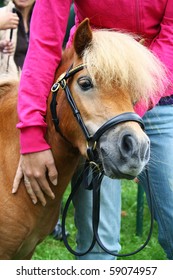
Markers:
<point>92,164</point>
<point>91,139</point>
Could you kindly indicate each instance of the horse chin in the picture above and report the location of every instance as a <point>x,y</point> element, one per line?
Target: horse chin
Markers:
<point>121,169</point>
<point>114,172</point>
<point>120,176</point>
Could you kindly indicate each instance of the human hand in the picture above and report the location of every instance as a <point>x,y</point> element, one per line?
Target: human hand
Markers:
<point>33,168</point>
<point>9,21</point>
<point>7,47</point>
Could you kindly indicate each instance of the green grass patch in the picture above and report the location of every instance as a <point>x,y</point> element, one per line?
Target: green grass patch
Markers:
<point>51,249</point>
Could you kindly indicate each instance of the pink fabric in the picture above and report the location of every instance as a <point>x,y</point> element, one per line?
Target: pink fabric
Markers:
<point>152,20</point>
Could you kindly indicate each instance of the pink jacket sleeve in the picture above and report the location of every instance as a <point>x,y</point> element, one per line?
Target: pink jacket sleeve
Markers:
<point>162,46</point>
<point>48,26</point>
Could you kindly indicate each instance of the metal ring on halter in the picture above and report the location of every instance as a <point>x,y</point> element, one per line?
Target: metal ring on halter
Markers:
<point>57,84</point>
<point>63,83</point>
<point>55,87</point>
<point>92,163</point>
<point>90,150</point>
<point>89,146</point>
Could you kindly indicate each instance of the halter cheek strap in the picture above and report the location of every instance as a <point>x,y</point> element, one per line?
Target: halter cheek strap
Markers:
<point>62,82</point>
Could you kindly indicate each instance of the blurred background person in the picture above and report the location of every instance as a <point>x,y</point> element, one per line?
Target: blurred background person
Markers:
<point>14,34</point>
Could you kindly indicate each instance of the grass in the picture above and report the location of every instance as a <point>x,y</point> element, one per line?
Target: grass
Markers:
<point>51,249</point>
<point>129,240</point>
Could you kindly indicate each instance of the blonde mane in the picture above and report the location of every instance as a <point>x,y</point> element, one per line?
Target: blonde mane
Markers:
<point>118,60</point>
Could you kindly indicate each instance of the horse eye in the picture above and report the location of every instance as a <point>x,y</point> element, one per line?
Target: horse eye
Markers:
<point>85,83</point>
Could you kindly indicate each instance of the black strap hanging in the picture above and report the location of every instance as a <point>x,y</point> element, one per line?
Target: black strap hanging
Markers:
<point>96,182</point>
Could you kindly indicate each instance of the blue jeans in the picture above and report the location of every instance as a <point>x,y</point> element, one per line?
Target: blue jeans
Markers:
<point>159,128</point>
<point>109,226</point>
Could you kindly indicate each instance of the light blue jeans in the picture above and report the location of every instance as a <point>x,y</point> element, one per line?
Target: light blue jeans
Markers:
<point>109,226</point>
<point>159,128</point>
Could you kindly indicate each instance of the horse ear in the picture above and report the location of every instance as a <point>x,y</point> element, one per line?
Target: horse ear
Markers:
<point>83,37</point>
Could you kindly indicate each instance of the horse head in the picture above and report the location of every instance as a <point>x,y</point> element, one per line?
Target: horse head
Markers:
<point>105,80</point>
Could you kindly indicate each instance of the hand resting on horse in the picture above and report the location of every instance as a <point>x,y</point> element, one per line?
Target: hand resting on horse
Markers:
<point>33,168</point>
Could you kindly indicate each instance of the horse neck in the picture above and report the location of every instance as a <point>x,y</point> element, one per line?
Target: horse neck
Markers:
<point>8,112</point>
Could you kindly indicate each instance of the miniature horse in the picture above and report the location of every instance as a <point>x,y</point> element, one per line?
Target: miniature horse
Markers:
<point>117,72</point>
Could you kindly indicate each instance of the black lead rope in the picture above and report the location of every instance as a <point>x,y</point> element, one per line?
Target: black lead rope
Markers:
<point>96,182</point>
<point>97,178</point>
<point>149,234</point>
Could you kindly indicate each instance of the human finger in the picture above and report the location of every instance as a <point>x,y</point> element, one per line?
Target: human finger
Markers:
<point>14,24</point>
<point>52,173</point>
<point>9,48</point>
<point>14,20</point>
<point>44,185</point>
<point>30,190</point>
<point>17,179</point>
<point>35,191</point>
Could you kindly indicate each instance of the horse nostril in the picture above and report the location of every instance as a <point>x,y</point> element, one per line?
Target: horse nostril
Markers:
<point>127,145</point>
<point>130,146</point>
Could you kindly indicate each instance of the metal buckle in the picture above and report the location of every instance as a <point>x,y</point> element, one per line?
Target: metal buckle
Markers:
<point>57,84</point>
<point>55,87</point>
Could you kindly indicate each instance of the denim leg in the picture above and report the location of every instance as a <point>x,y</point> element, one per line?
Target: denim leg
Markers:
<point>159,128</point>
<point>109,226</point>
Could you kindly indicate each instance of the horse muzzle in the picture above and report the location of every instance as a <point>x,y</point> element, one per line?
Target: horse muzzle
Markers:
<point>123,153</point>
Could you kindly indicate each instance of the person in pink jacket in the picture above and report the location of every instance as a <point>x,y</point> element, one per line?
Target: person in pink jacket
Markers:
<point>152,21</point>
